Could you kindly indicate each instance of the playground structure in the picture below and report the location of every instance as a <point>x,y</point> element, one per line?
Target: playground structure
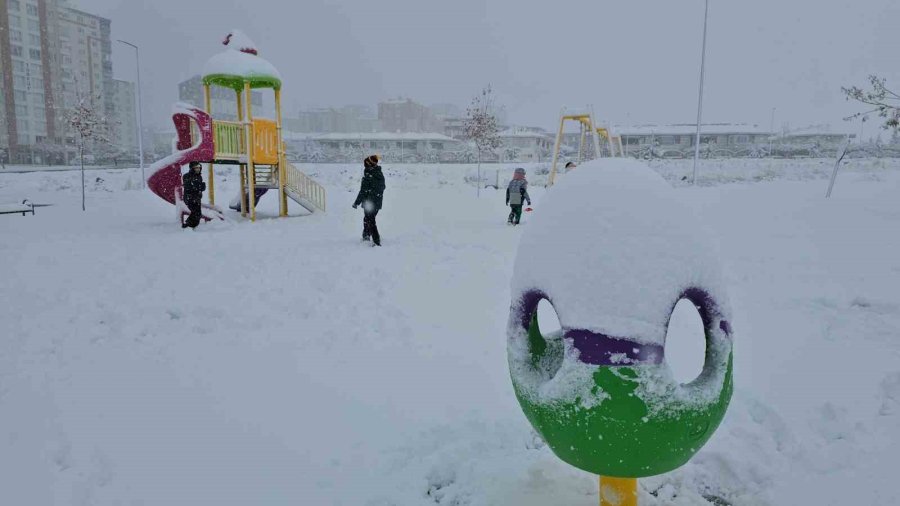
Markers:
<point>262,162</point>
<point>589,139</point>
<point>599,391</point>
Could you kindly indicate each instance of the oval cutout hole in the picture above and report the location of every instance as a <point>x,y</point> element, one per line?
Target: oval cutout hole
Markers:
<point>548,321</point>
<point>685,342</point>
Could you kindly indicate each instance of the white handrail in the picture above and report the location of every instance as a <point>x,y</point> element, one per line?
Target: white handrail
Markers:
<point>304,186</point>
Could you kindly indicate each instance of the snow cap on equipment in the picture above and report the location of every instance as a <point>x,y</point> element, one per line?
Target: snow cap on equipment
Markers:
<point>240,63</point>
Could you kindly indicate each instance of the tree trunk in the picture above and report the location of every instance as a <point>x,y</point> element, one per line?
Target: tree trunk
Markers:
<point>478,191</point>
<point>82,175</point>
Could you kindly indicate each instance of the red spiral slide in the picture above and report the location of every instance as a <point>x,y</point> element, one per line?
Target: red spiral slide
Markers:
<point>165,175</point>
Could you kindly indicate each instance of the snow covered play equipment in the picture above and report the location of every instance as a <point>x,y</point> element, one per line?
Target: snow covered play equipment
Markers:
<point>589,132</point>
<point>599,391</point>
<point>262,161</point>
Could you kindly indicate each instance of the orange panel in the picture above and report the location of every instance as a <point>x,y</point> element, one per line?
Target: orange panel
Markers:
<point>265,142</point>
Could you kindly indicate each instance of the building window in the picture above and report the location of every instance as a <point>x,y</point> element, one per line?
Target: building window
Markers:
<point>741,139</point>
<point>666,140</point>
<point>34,40</point>
<point>31,9</point>
<point>18,66</point>
<point>372,144</point>
<point>15,36</point>
<point>15,50</point>
<point>14,5</point>
<point>438,146</point>
<point>14,20</point>
<point>34,26</point>
<point>35,54</point>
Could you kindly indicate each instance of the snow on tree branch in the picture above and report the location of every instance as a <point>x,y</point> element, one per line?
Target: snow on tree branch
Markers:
<point>87,122</point>
<point>885,101</point>
<point>481,124</point>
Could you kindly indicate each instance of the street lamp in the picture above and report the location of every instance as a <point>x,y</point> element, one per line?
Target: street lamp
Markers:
<point>700,99</point>
<point>140,118</point>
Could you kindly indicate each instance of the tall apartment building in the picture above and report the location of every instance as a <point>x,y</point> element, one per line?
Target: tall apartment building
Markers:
<point>29,77</point>
<point>349,118</point>
<point>51,55</point>
<point>222,100</point>
<point>85,53</point>
<point>124,130</point>
<point>404,115</point>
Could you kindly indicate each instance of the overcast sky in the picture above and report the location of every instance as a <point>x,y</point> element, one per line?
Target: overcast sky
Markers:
<point>636,61</point>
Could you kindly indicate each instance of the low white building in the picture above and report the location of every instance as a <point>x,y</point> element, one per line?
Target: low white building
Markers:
<point>677,140</point>
<point>822,134</point>
<point>525,144</point>
<point>393,147</point>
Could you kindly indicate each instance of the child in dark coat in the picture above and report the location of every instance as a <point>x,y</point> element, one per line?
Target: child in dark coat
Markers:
<point>371,196</point>
<point>516,193</point>
<point>193,194</point>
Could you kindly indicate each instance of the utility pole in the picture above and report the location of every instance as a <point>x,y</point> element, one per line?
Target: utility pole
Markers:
<point>700,99</point>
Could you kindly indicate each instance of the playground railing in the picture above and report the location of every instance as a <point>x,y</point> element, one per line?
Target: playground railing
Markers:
<point>304,186</point>
<point>265,142</point>
<point>228,137</point>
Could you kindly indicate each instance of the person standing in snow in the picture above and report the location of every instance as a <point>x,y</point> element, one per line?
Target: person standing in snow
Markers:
<point>516,193</point>
<point>193,194</point>
<point>371,195</point>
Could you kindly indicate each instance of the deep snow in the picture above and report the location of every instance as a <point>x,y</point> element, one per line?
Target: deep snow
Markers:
<point>285,362</point>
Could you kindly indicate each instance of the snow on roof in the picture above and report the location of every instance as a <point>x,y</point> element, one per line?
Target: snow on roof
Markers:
<point>523,132</point>
<point>688,129</point>
<point>373,136</point>
<point>613,247</point>
<point>240,59</point>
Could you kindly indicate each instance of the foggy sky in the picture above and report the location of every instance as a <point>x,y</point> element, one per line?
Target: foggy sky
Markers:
<point>636,61</point>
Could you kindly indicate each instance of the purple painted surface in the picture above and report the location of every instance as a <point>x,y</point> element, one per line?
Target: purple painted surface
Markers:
<point>601,349</point>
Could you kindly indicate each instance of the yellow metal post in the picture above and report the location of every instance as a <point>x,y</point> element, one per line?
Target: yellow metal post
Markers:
<point>248,141</point>
<point>242,168</point>
<point>559,134</point>
<point>211,178</point>
<point>581,143</point>
<point>282,196</point>
<point>618,491</point>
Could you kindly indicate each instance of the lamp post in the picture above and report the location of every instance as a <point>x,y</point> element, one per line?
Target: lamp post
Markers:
<point>700,99</point>
<point>771,132</point>
<point>140,117</point>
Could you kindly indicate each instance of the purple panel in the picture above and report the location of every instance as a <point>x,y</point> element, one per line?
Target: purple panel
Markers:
<point>601,349</point>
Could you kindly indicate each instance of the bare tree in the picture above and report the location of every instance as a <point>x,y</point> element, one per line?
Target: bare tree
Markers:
<point>885,102</point>
<point>481,126</point>
<point>91,126</point>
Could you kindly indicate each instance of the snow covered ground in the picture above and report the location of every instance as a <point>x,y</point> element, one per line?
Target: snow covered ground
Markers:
<point>285,362</point>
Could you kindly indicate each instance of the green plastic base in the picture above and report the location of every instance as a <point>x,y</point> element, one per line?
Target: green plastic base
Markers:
<point>618,435</point>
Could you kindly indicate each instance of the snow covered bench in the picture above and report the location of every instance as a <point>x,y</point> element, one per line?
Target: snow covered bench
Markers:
<point>24,207</point>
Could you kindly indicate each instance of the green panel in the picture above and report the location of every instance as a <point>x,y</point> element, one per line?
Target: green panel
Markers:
<point>619,435</point>
<point>236,82</point>
<point>227,138</point>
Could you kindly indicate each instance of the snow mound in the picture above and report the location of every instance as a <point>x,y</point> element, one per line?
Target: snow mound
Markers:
<point>613,247</point>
